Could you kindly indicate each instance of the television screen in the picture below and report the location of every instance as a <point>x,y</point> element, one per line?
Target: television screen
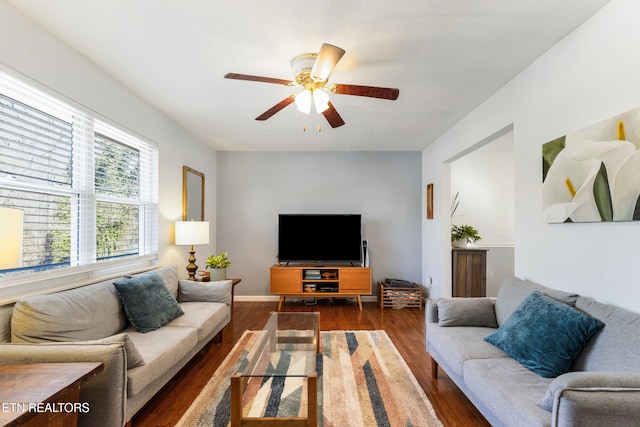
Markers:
<point>319,238</point>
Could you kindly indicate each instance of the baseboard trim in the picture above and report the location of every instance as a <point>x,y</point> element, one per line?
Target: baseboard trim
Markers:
<point>270,298</point>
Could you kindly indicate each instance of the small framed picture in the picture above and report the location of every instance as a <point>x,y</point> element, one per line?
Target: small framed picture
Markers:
<point>429,201</point>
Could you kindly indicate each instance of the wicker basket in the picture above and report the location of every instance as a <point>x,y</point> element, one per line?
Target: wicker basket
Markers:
<point>399,296</point>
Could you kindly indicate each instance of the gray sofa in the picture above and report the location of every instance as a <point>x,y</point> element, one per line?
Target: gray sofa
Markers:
<point>91,323</point>
<point>601,387</point>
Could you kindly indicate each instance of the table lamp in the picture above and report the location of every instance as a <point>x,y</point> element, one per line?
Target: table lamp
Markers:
<point>11,226</point>
<point>192,233</point>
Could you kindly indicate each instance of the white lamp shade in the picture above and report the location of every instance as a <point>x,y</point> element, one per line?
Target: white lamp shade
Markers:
<point>11,230</point>
<point>192,232</point>
<point>303,101</point>
<point>320,100</point>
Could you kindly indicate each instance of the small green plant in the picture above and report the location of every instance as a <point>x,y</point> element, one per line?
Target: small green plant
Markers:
<point>218,261</point>
<point>464,232</point>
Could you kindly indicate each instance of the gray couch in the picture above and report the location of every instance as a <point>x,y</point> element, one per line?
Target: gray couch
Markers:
<point>602,387</point>
<point>90,324</point>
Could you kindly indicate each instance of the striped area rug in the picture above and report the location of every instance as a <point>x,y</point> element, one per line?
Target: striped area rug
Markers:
<point>362,381</point>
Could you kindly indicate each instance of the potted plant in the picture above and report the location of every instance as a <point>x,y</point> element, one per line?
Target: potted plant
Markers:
<point>218,265</point>
<point>463,234</point>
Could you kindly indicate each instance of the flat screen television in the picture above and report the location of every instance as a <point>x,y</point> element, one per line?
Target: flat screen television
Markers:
<point>319,238</point>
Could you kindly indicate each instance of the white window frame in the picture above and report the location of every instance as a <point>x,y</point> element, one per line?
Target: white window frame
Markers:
<point>84,268</point>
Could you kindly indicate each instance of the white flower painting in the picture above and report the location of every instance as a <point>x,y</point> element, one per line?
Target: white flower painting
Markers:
<point>593,174</point>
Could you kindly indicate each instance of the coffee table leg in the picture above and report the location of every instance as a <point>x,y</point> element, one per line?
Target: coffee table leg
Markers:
<point>312,399</point>
<point>236,400</point>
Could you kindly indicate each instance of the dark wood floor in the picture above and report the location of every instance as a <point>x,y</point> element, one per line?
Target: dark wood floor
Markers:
<point>405,327</point>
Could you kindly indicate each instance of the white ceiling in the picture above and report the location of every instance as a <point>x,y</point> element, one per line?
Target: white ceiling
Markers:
<point>445,56</point>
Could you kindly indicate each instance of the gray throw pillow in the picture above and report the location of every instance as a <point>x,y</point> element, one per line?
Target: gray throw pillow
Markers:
<point>466,312</point>
<point>217,291</point>
<point>147,302</point>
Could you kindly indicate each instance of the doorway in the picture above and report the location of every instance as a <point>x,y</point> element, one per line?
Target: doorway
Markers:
<point>482,185</point>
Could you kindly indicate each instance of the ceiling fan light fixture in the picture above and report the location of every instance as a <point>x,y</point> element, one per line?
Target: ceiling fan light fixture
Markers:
<point>303,101</point>
<point>303,63</point>
<point>320,100</point>
<point>328,57</point>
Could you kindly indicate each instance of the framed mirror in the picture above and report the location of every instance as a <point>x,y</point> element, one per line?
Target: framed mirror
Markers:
<point>192,194</point>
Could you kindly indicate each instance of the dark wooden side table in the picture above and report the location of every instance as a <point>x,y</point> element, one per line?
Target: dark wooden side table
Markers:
<point>233,286</point>
<point>44,394</point>
<point>469,272</point>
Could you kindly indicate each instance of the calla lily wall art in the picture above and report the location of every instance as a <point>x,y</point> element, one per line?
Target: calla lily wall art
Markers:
<point>593,174</point>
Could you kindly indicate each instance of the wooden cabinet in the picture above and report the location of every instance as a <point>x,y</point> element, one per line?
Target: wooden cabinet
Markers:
<point>320,282</point>
<point>355,280</point>
<point>469,272</point>
<point>285,280</point>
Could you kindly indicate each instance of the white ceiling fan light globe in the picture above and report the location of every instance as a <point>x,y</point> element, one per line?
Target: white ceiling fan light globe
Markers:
<point>303,101</point>
<point>320,100</point>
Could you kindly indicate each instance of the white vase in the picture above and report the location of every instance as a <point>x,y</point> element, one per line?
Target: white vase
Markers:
<point>218,274</point>
<point>461,243</point>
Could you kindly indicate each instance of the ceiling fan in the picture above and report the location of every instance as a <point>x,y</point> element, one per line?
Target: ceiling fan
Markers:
<point>312,73</point>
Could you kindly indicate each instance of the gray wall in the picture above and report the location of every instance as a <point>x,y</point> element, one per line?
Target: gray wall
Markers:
<point>254,187</point>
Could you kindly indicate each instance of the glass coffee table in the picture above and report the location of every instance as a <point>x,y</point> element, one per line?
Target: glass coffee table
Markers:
<point>286,348</point>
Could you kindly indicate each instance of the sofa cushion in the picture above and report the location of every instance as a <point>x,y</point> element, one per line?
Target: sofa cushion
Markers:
<point>514,290</point>
<point>466,312</point>
<point>545,335</point>
<point>611,381</point>
<point>509,390</point>
<point>203,316</point>
<point>457,345</point>
<point>217,291</point>
<point>161,349</point>
<point>147,302</point>
<point>615,346</point>
<point>87,313</point>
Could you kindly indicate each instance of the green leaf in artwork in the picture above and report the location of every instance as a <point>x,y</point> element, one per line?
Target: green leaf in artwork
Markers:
<point>550,151</point>
<point>602,194</point>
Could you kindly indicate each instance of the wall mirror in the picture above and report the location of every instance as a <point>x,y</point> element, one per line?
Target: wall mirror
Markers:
<point>192,194</point>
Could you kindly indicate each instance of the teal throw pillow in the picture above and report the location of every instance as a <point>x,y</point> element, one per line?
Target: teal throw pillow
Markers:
<point>147,302</point>
<point>545,335</point>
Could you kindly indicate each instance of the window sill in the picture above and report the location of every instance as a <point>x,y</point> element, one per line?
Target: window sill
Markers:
<point>45,282</point>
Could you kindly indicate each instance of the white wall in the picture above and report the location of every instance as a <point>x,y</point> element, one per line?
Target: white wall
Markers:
<point>384,187</point>
<point>484,183</point>
<point>590,75</point>
<point>28,52</point>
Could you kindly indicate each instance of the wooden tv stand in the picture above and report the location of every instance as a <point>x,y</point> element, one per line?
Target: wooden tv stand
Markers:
<point>310,281</point>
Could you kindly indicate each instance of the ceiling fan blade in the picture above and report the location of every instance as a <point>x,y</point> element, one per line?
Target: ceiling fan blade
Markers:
<point>279,106</point>
<point>370,91</point>
<point>258,79</point>
<point>332,116</point>
<point>326,61</point>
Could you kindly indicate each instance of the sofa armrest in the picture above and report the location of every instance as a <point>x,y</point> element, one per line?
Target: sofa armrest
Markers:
<point>593,398</point>
<point>105,393</point>
<point>431,311</point>
<point>217,291</point>
<point>596,407</point>
<point>478,311</point>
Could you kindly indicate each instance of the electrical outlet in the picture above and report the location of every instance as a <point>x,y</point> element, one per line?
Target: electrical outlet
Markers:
<point>428,281</point>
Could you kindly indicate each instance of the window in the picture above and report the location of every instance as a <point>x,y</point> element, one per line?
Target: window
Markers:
<point>87,190</point>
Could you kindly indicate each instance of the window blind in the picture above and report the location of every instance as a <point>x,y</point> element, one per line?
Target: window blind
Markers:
<point>88,189</point>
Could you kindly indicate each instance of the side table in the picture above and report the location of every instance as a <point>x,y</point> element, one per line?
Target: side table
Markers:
<point>44,394</point>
